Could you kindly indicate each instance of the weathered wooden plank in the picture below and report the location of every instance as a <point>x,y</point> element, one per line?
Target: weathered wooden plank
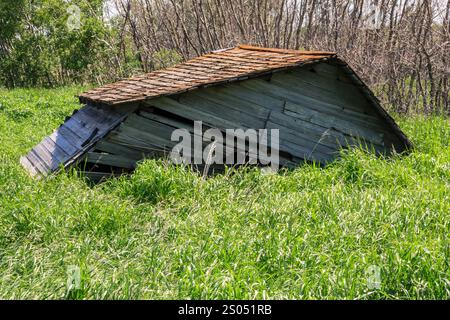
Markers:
<point>29,166</point>
<point>153,138</point>
<point>50,160</point>
<point>190,112</point>
<point>293,140</point>
<point>110,160</point>
<point>92,122</point>
<point>328,69</point>
<point>38,163</point>
<point>309,128</point>
<point>123,109</point>
<point>329,138</point>
<point>228,101</point>
<point>286,91</point>
<point>337,81</point>
<point>319,137</point>
<point>367,130</point>
<point>176,124</point>
<point>304,153</point>
<point>148,152</point>
<point>131,142</point>
<point>55,150</point>
<point>117,149</point>
<point>133,130</point>
<point>323,81</point>
<point>326,110</point>
<point>307,137</point>
<point>157,133</point>
<point>80,118</point>
<point>294,137</point>
<point>238,118</point>
<point>343,99</point>
<point>329,121</point>
<point>71,137</point>
<point>147,139</point>
<point>163,130</point>
<point>227,148</point>
<point>236,90</point>
<point>101,118</point>
<point>266,89</point>
<point>148,125</point>
<point>305,129</point>
<point>123,135</point>
<point>167,120</point>
<point>89,117</point>
<point>78,128</point>
<point>173,123</point>
<point>349,93</point>
<point>58,138</point>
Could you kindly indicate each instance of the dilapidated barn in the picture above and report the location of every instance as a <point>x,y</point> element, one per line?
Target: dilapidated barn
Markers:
<point>315,99</point>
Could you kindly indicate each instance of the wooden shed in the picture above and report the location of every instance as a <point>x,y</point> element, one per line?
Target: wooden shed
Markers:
<point>315,99</point>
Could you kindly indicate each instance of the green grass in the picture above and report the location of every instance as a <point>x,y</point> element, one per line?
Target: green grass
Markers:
<point>167,233</point>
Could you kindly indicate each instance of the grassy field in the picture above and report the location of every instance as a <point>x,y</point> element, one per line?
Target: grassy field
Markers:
<point>167,233</point>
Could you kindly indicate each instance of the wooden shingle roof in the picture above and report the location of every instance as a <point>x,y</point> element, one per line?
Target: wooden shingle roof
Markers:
<point>220,66</point>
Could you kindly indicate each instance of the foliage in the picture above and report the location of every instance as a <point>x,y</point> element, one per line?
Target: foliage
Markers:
<point>165,232</point>
<point>40,49</point>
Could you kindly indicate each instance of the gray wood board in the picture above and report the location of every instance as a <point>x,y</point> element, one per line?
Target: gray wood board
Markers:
<point>110,160</point>
<point>117,149</point>
<point>70,139</point>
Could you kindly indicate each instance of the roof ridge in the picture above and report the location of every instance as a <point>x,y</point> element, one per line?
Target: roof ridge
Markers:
<point>221,50</point>
<point>290,51</point>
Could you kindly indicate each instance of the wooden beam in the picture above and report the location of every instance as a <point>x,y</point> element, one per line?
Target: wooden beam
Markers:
<point>110,160</point>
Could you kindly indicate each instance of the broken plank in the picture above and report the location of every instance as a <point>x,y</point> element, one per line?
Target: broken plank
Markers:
<point>63,143</point>
<point>117,149</point>
<point>29,166</point>
<point>110,160</point>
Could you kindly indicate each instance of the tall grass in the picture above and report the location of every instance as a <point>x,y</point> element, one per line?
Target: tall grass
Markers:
<point>166,233</point>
